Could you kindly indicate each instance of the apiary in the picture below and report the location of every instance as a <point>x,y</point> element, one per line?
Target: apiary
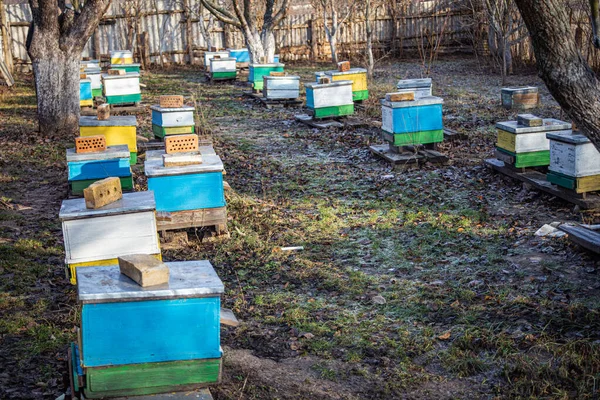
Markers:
<point>330,99</point>
<point>525,146</point>
<point>95,75</point>
<point>520,98</point>
<point>121,57</point>
<point>98,236</point>
<point>412,122</point>
<point>421,87</point>
<point>121,89</point>
<point>358,76</point>
<point>148,340</point>
<point>85,93</point>
<point>172,120</point>
<point>281,87</point>
<point>87,168</point>
<point>209,55</point>
<point>257,71</point>
<point>223,68</point>
<point>116,129</point>
<point>574,162</point>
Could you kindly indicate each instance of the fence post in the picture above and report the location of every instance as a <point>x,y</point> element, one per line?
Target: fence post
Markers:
<point>189,38</point>
<point>6,40</point>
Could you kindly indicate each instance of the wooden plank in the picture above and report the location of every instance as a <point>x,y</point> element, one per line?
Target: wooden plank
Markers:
<point>200,394</point>
<point>402,156</point>
<point>228,317</point>
<point>191,219</point>
<point>584,237</point>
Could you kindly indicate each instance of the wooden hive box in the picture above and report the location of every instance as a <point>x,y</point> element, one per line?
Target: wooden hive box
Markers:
<point>87,168</point>
<point>172,121</point>
<point>421,87</point>
<point>330,99</point>
<point>117,130</point>
<point>95,75</point>
<point>257,71</point>
<point>358,76</point>
<point>412,122</point>
<point>85,93</point>
<point>520,98</point>
<point>527,145</point>
<point>240,55</point>
<point>122,89</point>
<point>281,87</point>
<point>98,236</point>
<point>223,68</point>
<point>121,57</point>
<point>127,67</point>
<point>190,187</point>
<point>126,350</point>
<point>209,55</point>
<point>574,162</point>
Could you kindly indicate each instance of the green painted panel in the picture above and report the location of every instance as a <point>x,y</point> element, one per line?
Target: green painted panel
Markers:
<point>360,95</point>
<point>124,99</point>
<point>335,111</point>
<point>223,75</point>
<point>78,186</point>
<point>161,132</point>
<point>97,92</point>
<point>150,378</point>
<point>530,159</point>
<point>127,68</point>
<point>561,180</point>
<point>409,139</point>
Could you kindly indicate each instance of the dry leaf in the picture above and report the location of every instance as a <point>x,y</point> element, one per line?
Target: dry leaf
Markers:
<point>444,336</point>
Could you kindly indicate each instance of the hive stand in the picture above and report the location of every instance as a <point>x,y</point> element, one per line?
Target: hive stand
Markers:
<point>272,103</point>
<point>406,155</point>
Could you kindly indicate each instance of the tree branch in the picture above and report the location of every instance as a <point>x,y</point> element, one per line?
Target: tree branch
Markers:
<point>84,24</point>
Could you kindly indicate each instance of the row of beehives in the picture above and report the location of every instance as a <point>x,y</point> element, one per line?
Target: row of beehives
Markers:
<point>571,158</point>
<point>146,327</point>
<point>120,84</point>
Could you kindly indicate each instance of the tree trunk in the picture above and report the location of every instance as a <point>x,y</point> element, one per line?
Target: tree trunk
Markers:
<point>255,47</point>
<point>369,32</point>
<point>268,42</point>
<point>56,76</point>
<point>567,75</point>
<point>333,46</point>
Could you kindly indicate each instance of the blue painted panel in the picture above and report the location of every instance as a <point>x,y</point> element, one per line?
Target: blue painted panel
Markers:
<point>276,58</point>
<point>240,56</point>
<point>85,90</point>
<point>310,102</point>
<point>82,170</point>
<point>188,192</point>
<point>150,331</point>
<point>417,119</point>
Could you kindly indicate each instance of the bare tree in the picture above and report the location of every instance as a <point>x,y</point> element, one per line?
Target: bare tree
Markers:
<point>205,25</point>
<point>256,19</point>
<point>370,8</point>
<point>335,14</point>
<point>56,38</point>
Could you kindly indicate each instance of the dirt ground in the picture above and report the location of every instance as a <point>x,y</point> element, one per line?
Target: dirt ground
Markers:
<point>414,283</point>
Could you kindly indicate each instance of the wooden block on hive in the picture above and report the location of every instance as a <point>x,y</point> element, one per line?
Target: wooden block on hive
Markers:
<point>216,57</point>
<point>181,144</point>
<point>145,269</point>
<point>103,192</point>
<point>277,73</point>
<point>529,120</point>
<point>213,49</point>
<point>343,66</point>
<point>103,112</point>
<point>324,80</point>
<point>182,159</point>
<point>408,96</point>
<point>90,144</point>
<point>117,72</point>
<point>82,76</point>
<point>171,101</point>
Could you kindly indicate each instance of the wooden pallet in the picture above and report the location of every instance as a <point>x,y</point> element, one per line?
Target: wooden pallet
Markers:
<point>538,180</point>
<point>273,103</point>
<point>582,236</point>
<point>325,123</point>
<point>200,394</point>
<point>408,155</point>
<point>208,217</point>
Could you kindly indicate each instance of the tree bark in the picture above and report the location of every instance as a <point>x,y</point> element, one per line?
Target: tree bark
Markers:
<point>567,75</point>
<point>369,33</point>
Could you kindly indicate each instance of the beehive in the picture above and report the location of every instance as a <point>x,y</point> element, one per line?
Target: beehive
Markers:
<point>358,76</point>
<point>172,121</point>
<point>121,57</point>
<point>95,75</point>
<point>85,93</point>
<point>98,236</point>
<point>421,87</point>
<point>257,71</point>
<point>190,187</point>
<point>520,98</point>
<point>89,64</point>
<point>223,68</point>
<point>281,87</point>
<point>117,130</point>
<point>121,89</point>
<point>126,350</point>
<point>209,55</point>
<point>413,122</point>
<point>127,67</point>
<point>330,99</point>
<point>528,145</point>
<point>87,168</point>
<point>240,55</point>
<point>574,162</point>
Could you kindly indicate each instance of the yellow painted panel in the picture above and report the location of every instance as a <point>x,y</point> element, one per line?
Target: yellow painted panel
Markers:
<point>507,140</point>
<point>588,184</point>
<point>359,80</point>
<point>120,61</point>
<point>86,103</point>
<point>114,135</point>
<point>113,261</point>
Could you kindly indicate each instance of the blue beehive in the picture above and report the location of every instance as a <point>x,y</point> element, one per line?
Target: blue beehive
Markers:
<point>413,122</point>
<point>240,55</point>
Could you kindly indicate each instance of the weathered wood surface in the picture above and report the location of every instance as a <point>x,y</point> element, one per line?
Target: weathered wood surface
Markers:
<point>216,217</point>
<point>228,318</point>
<point>584,237</point>
<point>398,156</point>
<point>573,155</point>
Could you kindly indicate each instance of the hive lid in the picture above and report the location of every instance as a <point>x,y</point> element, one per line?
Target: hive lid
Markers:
<point>414,83</point>
<point>423,101</point>
<point>314,85</point>
<point>114,120</point>
<point>244,49</point>
<point>349,72</point>
<point>222,59</point>
<point>111,152</point>
<point>568,137</point>
<point>257,65</point>
<point>186,279</point>
<point>548,125</point>
<point>126,76</point>
<point>210,163</point>
<point>118,52</point>
<point>92,70</point>
<point>85,80</point>
<point>157,154</point>
<point>524,89</point>
<point>278,78</point>
<point>124,65</point>
<point>130,203</point>
<point>160,109</point>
